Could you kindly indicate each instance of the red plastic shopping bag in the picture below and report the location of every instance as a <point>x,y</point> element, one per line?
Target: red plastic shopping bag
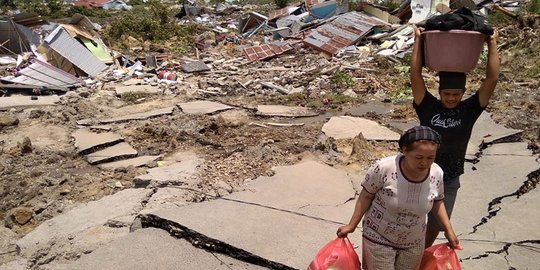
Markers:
<point>440,257</point>
<point>338,254</point>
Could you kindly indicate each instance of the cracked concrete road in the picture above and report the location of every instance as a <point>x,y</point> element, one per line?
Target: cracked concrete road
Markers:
<point>280,221</point>
<point>498,228</point>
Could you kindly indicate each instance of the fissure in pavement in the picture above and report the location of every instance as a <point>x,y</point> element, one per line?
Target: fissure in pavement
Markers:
<point>209,244</point>
<point>532,181</point>
<point>505,250</point>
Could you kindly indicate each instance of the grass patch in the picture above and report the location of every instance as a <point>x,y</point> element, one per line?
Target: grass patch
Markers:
<point>402,94</point>
<point>342,79</point>
<point>154,22</point>
<point>498,18</point>
<point>533,7</point>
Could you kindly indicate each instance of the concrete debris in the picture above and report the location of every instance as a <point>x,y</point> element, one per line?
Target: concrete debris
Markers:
<point>486,131</point>
<point>135,162</point>
<point>196,66</point>
<point>118,151</point>
<point>285,111</point>
<point>347,127</point>
<point>18,101</point>
<point>85,140</point>
<point>267,200</point>
<point>132,252</point>
<point>138,116</point>
<point>203,107</point>
<point>179,174</point>
<point>81,229</point>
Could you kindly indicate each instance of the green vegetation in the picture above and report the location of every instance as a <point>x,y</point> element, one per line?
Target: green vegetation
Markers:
<point>6,5</point>
<point>89,12</point>
<point>342,79</point>
<point>389,4</point>
<point>497,18</point>
<point>153,21</point>
<point>51,9</point>
<point>281,3</point>
<point>534,72</point>
<point>533,7</point>
<point>404,93</point>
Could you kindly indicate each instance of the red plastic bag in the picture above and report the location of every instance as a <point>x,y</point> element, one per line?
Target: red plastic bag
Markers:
<point>338,254</point>
<point>440,257</point>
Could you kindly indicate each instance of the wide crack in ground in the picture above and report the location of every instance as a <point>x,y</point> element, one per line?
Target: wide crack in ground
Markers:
<point>209,244</point>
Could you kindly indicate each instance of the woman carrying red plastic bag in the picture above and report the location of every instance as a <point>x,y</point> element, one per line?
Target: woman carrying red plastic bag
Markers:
<point>397,193</point>
<point>338,254</point>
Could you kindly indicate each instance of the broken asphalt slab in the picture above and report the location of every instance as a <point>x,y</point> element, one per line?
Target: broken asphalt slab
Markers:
<point>118,151</point>
<point>139,116</point>
<point>168,197</point>
<point>153,249</point>
<point>348,127</point>
<point>285,111</point>
<point>80,229</point>
<point>86,140</point>
<point>203,107</point>
<point>485,130</point>
<point>27,101</point>
<point>489,221</point>
<point>178,173</point>
<point>131,162</point>
<point>297,210</point>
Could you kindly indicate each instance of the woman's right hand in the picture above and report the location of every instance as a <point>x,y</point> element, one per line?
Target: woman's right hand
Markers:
<point>344,230</point>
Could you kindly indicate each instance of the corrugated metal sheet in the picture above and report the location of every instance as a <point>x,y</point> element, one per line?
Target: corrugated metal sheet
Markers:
<point>265,51</point>
<point>71,49</point>
<point>347,29</point>
<point>44,75</point>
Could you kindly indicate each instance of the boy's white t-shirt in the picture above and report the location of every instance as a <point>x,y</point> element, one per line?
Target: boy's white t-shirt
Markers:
<point>397,215</point>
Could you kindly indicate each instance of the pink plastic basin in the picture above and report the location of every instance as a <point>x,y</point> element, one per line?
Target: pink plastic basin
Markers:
<point>454,50</point>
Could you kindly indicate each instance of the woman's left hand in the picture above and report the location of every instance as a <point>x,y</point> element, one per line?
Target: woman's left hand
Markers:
<point>453,241</point>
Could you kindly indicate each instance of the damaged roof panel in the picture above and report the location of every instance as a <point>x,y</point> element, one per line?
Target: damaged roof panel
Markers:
<point>64,44</point>
<point>265,51</point>
<point>44,75</point>
<point>347,29</point>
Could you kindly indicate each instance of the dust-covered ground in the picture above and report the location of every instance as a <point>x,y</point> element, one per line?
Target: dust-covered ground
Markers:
<point>42,174</point>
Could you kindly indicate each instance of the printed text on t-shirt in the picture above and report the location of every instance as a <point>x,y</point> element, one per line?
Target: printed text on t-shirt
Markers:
<point>445,123</point>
